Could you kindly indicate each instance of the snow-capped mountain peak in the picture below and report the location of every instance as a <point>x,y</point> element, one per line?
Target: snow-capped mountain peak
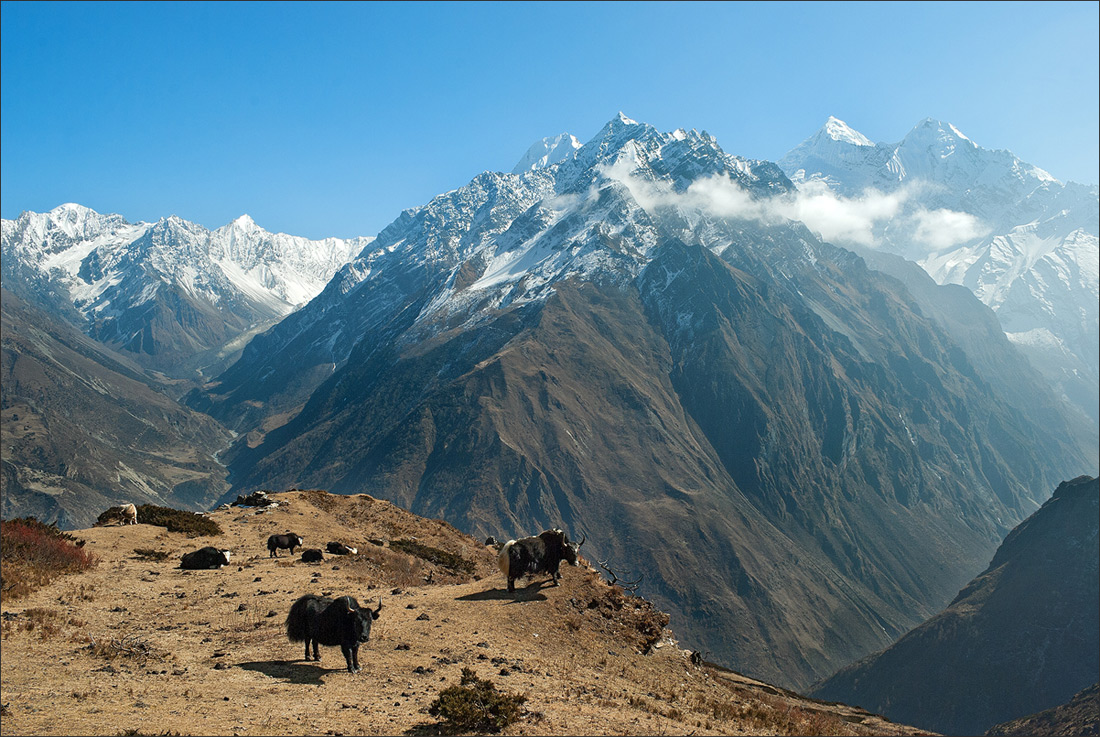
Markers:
<point>245,222</point>
<point>546,152</point>
<point>837,130</point>
<point>109,269</point>
<point>1022,241</point>
<point>934,136</point>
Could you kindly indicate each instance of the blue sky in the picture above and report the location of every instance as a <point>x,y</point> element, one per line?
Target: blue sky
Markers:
<point>329,119</point>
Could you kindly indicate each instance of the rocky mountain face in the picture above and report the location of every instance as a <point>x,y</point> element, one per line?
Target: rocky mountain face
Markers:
<point>1020,638</point>
<point>1023,242</point>
<point>1080,716</point>
<point>84,430</point>
<point>636,344</point>
<point>958,312</point>
<point>174,296</point>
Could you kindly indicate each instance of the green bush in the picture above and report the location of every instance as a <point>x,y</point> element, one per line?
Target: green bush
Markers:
<point>177,520</point>
<point>475,706</point>
<point>433,555</point>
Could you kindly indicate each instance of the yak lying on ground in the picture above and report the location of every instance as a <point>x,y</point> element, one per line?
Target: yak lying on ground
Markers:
<point>324,621</point>
<point>340,549</point>
<point>312,555</point>
<point>208,557</point>
<point>541,554</point>
<point>289,541</point>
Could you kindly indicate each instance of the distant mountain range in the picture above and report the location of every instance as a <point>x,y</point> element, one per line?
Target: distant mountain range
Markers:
<point>176,297</point>
<point>84,428</point>
<point>1022,637</point>
<point>803,451</point>
<point>1022,241</point>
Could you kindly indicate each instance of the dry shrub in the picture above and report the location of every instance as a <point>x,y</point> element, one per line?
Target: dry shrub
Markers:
<point>33,553</point>
<point>772,715</point>
<point>177,520</point>
<point>128,646</point>
<point>383,566</point>
<point>638,621</point>
<point>434,555</point>
<point>475,705</point>
<point>47,623</point>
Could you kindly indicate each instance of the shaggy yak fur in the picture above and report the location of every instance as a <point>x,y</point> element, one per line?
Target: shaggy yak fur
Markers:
<point>323,621</point>
<point>289,541</point>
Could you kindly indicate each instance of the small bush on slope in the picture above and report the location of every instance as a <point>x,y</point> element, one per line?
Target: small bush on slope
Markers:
<point>177,520</point>
<point>433,555</point>
<point>33,553</point>
<point>475,705</point>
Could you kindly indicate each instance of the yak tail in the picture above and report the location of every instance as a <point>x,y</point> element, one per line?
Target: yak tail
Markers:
<point>297,622</point>
<point>503,559</point>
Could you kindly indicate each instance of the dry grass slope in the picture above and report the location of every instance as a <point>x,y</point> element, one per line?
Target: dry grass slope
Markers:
<point>134,645</point>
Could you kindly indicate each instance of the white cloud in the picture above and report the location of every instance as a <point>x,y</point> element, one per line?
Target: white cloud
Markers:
<point>942,229</point>
<point>842,220</point>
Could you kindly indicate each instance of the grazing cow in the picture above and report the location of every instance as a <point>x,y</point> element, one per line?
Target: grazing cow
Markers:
<point>289,541</point>
<point>340,549</point>
<point>312,555</point>
<point>541,554</point>
<point>208,557</point>
<point>129,514</point>
<point>324,621</point>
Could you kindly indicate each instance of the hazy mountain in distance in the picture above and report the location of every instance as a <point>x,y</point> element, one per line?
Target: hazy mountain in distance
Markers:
<point>84,431</point>
<point>1023,242</point>
<point>1022,637</point>
<point>176,297</point>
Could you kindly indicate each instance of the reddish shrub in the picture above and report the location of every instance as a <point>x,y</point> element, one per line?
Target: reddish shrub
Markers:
<point>33,553</point>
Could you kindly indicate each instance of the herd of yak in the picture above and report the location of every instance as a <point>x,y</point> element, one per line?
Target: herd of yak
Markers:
<point>320,620</point>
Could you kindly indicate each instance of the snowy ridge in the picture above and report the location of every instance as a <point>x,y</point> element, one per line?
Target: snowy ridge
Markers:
<point>838,130</point>
<point>88,255</point>
<point>573,219</point>
<point>1023,242</point>
<point>547,152</point>
<point>507,239</point>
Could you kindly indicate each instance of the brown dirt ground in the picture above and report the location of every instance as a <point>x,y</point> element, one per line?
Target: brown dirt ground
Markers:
<point>141,647</point>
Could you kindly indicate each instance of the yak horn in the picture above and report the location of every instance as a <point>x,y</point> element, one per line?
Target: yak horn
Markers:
<point>583,538</point>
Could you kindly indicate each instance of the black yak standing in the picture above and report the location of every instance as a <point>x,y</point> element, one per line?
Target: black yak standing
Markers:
<point>289,541</point>
<point>540,554</point>
<point>324,621</point>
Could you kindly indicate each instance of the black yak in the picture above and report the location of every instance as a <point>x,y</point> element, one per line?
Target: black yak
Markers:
<point>325,621</point>
<point>340,549</point>
<point>542,554</point>
<point>312,555</point>
<point>289,541</point>
<point>208,557</point>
